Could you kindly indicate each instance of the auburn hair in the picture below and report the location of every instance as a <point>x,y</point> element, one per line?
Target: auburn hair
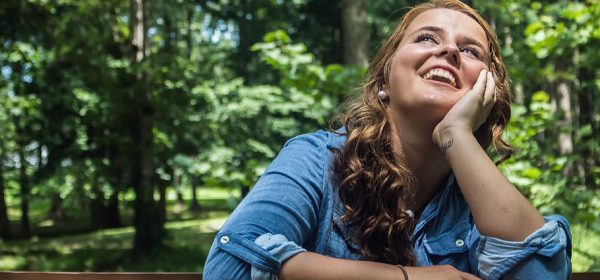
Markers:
<point>373,187</point>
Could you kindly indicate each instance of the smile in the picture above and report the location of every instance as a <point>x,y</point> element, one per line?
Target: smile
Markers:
<point>441,75</point>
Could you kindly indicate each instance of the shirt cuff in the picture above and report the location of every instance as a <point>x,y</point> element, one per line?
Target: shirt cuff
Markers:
<point>280,248</point>
<point>496,256</point>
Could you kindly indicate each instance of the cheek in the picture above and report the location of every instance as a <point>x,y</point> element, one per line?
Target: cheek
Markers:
<point>471,73</point>
<point>406,60</point>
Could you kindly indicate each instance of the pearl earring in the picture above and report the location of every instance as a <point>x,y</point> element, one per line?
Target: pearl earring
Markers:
<point>382,95</point>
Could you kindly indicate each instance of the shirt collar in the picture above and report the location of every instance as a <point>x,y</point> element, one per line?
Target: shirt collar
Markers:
<point>433,207</point>
<point>431,211</point>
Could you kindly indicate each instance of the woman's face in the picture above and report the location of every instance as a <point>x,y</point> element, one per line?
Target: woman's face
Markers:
<point>436,63</point>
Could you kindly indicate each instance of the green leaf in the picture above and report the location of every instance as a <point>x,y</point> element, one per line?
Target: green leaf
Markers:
<point>532,173</point>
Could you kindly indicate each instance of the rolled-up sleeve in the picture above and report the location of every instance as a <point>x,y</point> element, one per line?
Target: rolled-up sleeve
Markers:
<point>276,217</point>
<point>546,253</point>
<point>280,248</point>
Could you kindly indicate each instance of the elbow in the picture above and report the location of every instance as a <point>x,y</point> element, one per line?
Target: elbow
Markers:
<point>511,226</point>
<point>225,267</point>
<point>555,267</point>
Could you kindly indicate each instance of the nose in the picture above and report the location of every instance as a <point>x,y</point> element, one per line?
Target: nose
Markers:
<point>451,53</point>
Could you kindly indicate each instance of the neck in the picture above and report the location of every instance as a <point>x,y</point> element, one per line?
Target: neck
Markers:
<point>414,146</point>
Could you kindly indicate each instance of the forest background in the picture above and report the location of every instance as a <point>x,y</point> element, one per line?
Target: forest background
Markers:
<point>130,129</point>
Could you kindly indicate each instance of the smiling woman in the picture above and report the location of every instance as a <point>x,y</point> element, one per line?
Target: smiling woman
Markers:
<point>405,189</point>
<point>442,51</point>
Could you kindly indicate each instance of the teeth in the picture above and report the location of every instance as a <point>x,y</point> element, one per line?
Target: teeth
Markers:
<point>440,73</point>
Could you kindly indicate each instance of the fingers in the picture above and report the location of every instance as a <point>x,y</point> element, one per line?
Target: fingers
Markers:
<point>469,276</point>
<point>460,274</point>
<point>480,85</point>
<point>490,90</point>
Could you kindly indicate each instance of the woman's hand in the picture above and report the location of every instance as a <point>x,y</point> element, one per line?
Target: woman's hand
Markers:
<point>470,112</point>
<point>499,210</point>
<point>443,272</point>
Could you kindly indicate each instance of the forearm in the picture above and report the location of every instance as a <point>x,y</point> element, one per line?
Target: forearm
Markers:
<point>499,210</point>
<point>309,265</point>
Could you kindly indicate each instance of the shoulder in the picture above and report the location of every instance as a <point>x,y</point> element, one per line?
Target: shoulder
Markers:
<point>315,145</point>
<point>320,140</point>
<point>308,156</point>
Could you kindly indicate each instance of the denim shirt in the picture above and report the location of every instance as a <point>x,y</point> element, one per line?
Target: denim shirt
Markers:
<point>294,208</point>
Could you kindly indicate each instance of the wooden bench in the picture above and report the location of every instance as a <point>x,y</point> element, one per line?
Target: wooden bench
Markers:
<point>157,276</point>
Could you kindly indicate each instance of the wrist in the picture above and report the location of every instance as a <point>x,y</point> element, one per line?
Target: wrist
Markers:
<point>404,273</point>
<point>444,136</point>
<point>411,273</point>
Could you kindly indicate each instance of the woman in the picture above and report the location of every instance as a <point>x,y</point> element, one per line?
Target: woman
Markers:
<point>405,190</point>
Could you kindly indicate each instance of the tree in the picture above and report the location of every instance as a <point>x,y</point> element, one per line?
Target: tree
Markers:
<point>5,231</point>
<point>356,33</point>
<point>148,231</point>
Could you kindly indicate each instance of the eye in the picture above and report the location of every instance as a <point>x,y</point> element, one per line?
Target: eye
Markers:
<point>471,51</point>
<point>426,37</point>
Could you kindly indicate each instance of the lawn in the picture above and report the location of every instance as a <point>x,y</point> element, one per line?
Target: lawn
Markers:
<point>190,235</point>
<point>586,249</point>
<point>108,250</point>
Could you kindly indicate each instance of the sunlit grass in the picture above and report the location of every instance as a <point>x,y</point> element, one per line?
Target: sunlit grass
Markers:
<point>58,247</point>
<point>186,247</point>
<point>586,249</point>
<point>190,235</point>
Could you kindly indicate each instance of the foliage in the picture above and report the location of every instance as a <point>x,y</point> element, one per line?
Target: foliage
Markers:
<point>231,81</point>
<point>302,101</point>
<point>537,173</point>
<point>558,48</point>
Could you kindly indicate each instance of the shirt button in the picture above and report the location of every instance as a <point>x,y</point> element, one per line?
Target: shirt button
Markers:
<point>224,239</point>
<point>459,242</point>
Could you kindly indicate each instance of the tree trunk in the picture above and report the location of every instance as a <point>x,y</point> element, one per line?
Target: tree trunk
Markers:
<point>176,175</point>
<point>148,231</point>
<point>97,211</point>
<point>189,39</point>
<point>4,222</point>
<point>565,141</point>
<point>162,200</point>
<point>355,33</point>
<point>244,54</point>
<point>24,192</point>
<point>105,213</point>
<point>113,217</point>
<point>564,119</point>
<point>194,205</point>
<point>587,89</point>
<point>179,195</point>
<point>57,212</point>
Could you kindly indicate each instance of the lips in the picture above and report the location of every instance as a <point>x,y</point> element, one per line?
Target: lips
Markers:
<point>442,74</point>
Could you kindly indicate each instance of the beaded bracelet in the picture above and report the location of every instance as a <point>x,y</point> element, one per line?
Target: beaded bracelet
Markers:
<point>403,271</point>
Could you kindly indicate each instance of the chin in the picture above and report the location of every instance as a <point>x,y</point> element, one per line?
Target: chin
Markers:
<point>438,103</point>
<point>428,107</point>
<point>426,115</point>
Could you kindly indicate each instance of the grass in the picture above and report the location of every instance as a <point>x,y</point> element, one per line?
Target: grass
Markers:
<point>190,235</point>
<point>72,247</point>
<point>586,249</point>
<point>108,250</point>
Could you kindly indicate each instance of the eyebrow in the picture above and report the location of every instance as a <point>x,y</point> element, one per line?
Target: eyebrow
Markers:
<point>465,39</point>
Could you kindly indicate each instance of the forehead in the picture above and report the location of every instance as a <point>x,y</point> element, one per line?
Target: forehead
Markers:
<point>451,21</point>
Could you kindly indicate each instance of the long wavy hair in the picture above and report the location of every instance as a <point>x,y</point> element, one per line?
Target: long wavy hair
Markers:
<point>373,186</point>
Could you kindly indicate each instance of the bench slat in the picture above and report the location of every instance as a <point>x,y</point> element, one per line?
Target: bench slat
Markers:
<point>98,276</point>
<point>157,276</point>
<point>586,276</point>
